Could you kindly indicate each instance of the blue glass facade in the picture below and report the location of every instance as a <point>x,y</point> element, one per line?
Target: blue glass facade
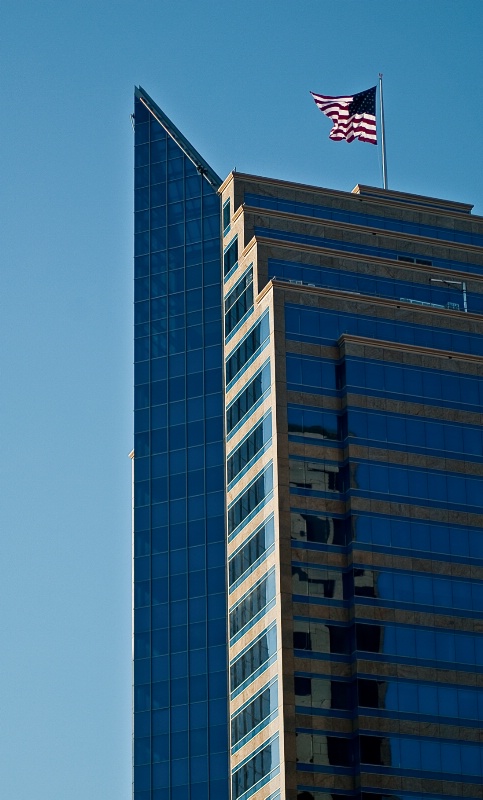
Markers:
<point>180,747</point>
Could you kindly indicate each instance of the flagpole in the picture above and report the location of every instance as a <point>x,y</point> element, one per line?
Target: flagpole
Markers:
<point>383,135</point>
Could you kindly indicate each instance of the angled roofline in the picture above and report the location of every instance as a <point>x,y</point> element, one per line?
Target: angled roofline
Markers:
<point>201,165</point>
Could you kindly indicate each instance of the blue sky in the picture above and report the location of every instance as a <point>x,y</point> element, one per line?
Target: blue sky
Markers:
<point>235,78</point>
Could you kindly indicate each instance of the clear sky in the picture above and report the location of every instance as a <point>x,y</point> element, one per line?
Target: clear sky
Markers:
<point>235,78</point>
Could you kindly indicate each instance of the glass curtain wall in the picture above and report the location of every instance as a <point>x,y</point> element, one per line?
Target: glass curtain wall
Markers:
<point>180,653</point>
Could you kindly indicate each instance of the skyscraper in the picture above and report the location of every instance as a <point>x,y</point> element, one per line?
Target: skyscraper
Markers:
<point>354,392</point>
<point>180,658</point>
<point>308,571</point>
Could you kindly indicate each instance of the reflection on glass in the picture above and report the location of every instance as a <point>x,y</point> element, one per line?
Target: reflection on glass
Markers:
<point>319,528</point>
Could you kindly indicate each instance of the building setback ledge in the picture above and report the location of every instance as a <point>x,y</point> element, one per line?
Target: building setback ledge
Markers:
<point>415,199</point>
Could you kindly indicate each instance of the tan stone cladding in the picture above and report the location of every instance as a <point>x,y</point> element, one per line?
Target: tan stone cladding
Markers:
<point>391,204</point>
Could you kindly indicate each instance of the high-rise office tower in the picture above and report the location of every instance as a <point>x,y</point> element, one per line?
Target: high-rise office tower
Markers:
<point>354,447</point>
<point>180,658</point>
<point>345,514</point>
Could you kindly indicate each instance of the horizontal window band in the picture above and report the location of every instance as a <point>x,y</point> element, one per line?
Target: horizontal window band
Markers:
<point>457,777</point>
<point>271,740</point>
<point>363,546</point>
<point>375,284</point>
<point>252,569</point>
<point>416,716</point>
<point>271,683</point>
<point>248,519</point>
<point>404,605</point>
<point>390,447</point>
<point>309,324</point>
<point>262,473</point>
<point>256,730</point>
<point>358,218</point>
<point>266,447</point>
<point>354,389</point>
<point>261,783</point>
<point>380,713</point>
<point>271,628</point>
<point>249,432</point>
<point>237,396</point>
<point>239,325</point>
<point>234,639</point>
<point>254,444</point>
<point>251,553</point>
<point>250,361</point>
<point>262,320</point>
<point>362,249</point>
<point>249,413</point>
<point>252,588</point>
<point>401,551</point>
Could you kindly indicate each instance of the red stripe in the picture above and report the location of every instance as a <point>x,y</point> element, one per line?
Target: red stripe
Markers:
<point>327,97</point>
<point>329,108</point>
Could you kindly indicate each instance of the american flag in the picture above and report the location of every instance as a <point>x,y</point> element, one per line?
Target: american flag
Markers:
<point>353,117</point>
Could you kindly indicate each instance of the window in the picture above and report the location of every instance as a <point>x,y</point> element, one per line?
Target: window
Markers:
<point>249,448</point>
<point>323,693</point>
<point>316,476</point>
<point>317,637</point>
<point>449,593</point>
<point>319,529</point>
<point>254,657</point>
<point>230,256</point>
<point>315,423</point>
<point>315,373</point>
<point>247,348</point>
<point>226,216</point>
<point>252,551</point>
<point>337,751</point>
<point>254,770</point>
<point>239,301</point>
<point>248,397</point>
<point>320,582</point>
<point>404,642</point>
<point>255,712</point>
<point>374,750</point>
<point>411,260</point>
<point>250,499</point>
<point>254,602</point>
